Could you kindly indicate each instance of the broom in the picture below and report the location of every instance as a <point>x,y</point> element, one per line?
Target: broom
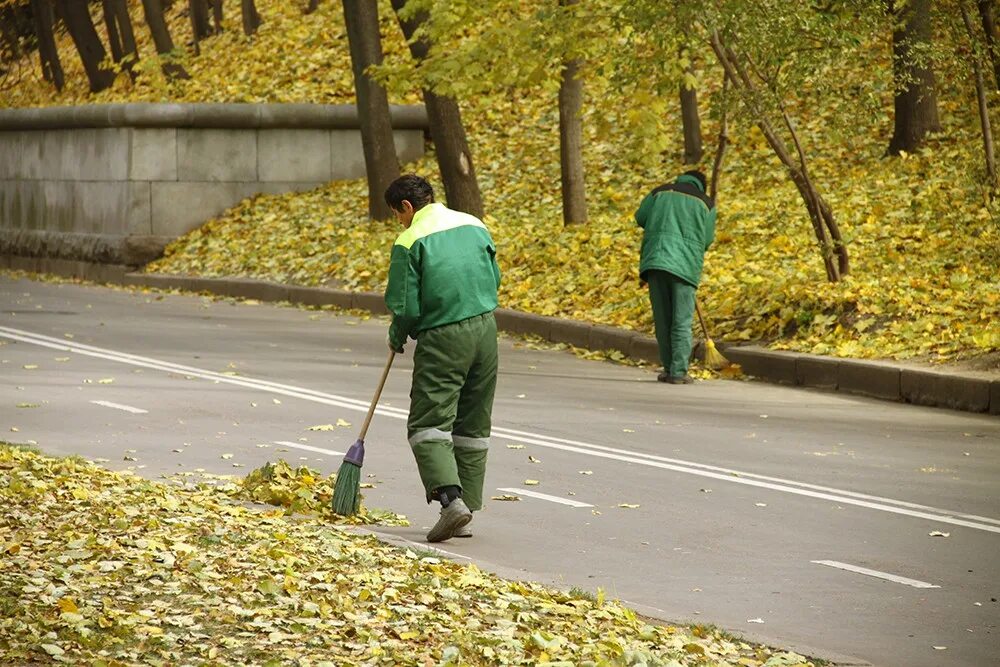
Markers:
<point>346,497</point>
<point>713,358</point>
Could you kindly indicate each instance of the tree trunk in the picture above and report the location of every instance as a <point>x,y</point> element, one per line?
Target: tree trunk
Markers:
<point>690,121</point>
<point>381,164</point>
<point>820,215</point>
<point>447,132</point>
<point>691,124</point>
<point>915,105</point>
<point>81,29</point>
<point>10,42</point>
<point>217,15</point>
<point>990,29</point>
<point>251,19</point>
<point>984,111</point>
<point>574,199</point>
<point>574,193</point>
<point>153,11</point>
<point>312,6</point>
<point>48,54</point>
<point>200,27</point>
<point>111,23</point>
<point>120,35</point>
<point>720,151</point>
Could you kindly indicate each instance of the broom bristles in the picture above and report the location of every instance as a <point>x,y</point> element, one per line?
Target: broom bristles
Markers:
<point>346,496</point>
<point>713,358</point>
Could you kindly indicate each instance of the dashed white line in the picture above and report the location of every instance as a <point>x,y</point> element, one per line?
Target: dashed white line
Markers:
<point>308,448</point>
<point>545,496</point>
<point>120,406</point>
<point>875,573</point>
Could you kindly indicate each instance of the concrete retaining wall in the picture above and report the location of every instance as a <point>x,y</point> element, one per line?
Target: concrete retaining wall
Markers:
<point>114,183</point>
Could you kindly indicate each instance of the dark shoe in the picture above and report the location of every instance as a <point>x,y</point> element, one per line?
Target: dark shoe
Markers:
<point>453,517</point>
<point>674,379</point>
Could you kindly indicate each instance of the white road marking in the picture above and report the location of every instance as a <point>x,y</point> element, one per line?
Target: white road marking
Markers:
<point>308,448</point>
<point>976,517</point>
<point>119,406</point>
<point>544,496</point>
<point>766,478</point>
<point>875,573</point>
<point>703,470</point>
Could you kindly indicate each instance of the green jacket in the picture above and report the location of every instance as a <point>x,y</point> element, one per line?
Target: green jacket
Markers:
<point>678,222</point>
<point>443,269</point>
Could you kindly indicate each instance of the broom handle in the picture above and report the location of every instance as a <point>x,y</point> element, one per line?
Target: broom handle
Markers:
<point>378,392</point>
<point>701,318</point>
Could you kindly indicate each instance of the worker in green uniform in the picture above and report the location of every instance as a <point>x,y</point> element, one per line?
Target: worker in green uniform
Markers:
<point>678,224</point>
<point>442,291</point>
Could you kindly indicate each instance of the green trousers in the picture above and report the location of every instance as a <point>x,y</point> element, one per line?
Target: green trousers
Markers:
<point>451,405</point>
<point>673,307</point>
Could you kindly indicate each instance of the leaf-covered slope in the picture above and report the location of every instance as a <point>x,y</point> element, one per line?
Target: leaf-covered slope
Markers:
<point>293,57</point>
<point>102,568</point>
<point>925,246</point>
<point>925,280</point>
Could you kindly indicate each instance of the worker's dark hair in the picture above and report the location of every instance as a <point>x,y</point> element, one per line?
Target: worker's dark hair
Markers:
<point>697,173</point>
<point>414,189</point>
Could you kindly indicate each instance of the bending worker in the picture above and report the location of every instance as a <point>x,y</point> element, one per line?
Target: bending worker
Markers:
<point>442,291</point>
<point>678,223</point>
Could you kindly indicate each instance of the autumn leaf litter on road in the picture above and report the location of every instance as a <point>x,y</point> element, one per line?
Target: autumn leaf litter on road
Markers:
<point>107,568</point>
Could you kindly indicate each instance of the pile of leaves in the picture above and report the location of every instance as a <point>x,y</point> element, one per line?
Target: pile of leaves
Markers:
<point>303,490</point>
<point>923,237</point>
<point>104,568</point>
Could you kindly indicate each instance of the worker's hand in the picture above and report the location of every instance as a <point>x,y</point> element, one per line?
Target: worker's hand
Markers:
<point>388,342</point>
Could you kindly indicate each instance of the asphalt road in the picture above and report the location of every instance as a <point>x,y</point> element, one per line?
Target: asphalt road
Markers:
<point>734,489</point>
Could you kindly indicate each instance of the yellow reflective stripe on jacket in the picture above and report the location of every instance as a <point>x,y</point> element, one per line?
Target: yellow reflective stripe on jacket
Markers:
<point>432,219</point>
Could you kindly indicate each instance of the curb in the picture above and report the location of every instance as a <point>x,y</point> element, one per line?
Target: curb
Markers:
<point>874,379</point>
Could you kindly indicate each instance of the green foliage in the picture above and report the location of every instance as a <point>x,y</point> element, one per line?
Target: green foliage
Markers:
<point>477,47</point>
